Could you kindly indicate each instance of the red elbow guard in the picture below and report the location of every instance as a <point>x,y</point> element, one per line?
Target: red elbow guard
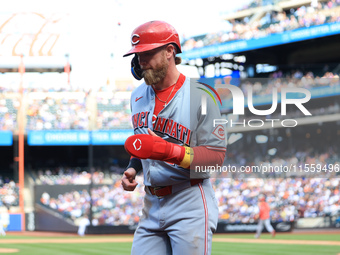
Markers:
<point>145,146</point>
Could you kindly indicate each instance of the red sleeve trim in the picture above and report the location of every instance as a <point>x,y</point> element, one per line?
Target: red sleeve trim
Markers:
<point>208,156</point>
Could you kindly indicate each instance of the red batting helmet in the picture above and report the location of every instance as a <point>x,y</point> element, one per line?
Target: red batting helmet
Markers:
<point>152,35</point>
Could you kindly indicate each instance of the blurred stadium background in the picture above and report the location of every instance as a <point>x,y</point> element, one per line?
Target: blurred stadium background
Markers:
<point>61,143</point>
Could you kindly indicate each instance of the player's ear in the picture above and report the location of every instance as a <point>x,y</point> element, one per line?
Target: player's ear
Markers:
<point>170,50</point>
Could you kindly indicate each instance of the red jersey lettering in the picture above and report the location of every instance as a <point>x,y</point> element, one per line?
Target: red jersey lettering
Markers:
<point>174,131</point>
<point>159,124</point>
<point>168,126</point>
<point>140,119</point>
<point>182,131</point>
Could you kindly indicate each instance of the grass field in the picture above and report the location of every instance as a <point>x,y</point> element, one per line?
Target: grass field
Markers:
<point>239,244</point>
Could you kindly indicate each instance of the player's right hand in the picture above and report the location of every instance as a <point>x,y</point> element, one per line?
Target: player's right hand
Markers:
<point>128,181</point>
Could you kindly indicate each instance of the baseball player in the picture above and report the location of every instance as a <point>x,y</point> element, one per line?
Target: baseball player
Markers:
<point>264,217</point>
<point>4,220</point>
<point>171,137</point>
<point>83,223</point>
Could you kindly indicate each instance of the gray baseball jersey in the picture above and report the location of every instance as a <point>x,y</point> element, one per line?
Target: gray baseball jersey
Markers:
<point>180,122</point>
<point>183,222</point>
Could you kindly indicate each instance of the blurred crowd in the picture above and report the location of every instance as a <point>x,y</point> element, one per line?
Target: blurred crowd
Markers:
<point>57,113</point>
<point>113,113</point>
<point>111,205</point>
<point>67,110</point>
<point>66,175</point>
<point>9,192</point>
<point>290,199</point>
<point>80,110</point>
<point>273,22</point>
<point>8,112</point>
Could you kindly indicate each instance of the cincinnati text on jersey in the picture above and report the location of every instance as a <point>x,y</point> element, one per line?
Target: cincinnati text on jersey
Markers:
<point>164,126</point>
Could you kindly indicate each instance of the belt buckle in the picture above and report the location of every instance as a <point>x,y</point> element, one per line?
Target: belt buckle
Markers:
<point>155,190</point>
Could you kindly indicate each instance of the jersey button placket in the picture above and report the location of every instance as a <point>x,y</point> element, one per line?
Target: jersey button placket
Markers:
<point>162,211</point>
<point>151,111</point>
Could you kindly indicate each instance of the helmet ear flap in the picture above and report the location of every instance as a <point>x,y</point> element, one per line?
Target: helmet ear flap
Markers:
<point>136,70</point>
<point>177,48</point>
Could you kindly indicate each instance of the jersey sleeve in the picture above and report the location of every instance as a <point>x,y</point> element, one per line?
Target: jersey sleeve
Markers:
<point>206,119</point>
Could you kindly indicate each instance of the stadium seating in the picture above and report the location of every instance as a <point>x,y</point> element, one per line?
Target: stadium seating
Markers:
<point>71,110</point>
<point>274,22</point>
<point>290,199</point>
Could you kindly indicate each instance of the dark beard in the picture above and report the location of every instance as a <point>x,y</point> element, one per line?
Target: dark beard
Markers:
<point>154,76</point>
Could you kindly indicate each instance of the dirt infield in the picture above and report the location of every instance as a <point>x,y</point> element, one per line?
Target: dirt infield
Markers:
<point>276,241</point>
<point>53,237</point>
<point>7,250</point>
<point>129,238</point>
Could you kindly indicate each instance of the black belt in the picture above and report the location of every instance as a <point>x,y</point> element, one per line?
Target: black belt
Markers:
<point>167,190</point>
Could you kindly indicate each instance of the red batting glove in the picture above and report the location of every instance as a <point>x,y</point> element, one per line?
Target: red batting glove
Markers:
<point>153,147</point>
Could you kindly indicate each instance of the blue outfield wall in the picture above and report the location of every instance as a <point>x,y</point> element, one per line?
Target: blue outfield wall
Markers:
<point>15,222</point>
<point>77,137</point>
<point>6,138</point>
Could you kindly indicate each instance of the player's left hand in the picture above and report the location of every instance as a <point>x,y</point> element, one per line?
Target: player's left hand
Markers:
<point>151,132</point>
